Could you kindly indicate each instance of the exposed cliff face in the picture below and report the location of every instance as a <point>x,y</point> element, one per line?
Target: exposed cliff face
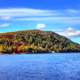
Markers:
<point>36,41</point>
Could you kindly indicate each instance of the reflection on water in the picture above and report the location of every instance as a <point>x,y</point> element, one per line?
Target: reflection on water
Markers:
<point>40,67</point>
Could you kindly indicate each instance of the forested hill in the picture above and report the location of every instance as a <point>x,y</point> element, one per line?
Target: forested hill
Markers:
<point>35,41</point>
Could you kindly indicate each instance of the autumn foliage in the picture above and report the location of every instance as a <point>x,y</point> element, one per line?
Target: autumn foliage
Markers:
<point>35,41</point>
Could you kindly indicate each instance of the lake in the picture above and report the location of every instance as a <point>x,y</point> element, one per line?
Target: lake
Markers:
<point>40,67</point>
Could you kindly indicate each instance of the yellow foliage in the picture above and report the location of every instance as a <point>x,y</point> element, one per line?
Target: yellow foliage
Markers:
<point>1,48</point>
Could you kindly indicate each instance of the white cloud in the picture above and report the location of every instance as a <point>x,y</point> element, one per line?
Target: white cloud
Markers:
<point>71,20</point>
<point>72,11</point>
<point>4,25</point>
<point>18,12</point>
<point>70,32</point>
<point>41,26</point>
<point>70,16</point>
<point>37,12</point>
<point>67,16</point>
<point>5,17</point>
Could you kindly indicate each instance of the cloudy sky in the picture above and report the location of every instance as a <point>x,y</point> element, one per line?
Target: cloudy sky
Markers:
<point>60,16</point>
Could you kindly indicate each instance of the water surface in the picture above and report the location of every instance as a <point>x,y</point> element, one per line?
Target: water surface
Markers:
<point>40,67</point>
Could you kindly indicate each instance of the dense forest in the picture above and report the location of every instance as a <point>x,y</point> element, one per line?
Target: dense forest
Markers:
<point>35,41</point>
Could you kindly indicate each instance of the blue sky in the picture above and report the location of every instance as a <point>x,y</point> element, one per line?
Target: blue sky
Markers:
<point>60,16</point>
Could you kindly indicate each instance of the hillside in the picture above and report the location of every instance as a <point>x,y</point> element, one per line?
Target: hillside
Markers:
<point>35,41</point>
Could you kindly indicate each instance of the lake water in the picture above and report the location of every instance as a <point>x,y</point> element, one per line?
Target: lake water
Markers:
<point>40,67</point>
